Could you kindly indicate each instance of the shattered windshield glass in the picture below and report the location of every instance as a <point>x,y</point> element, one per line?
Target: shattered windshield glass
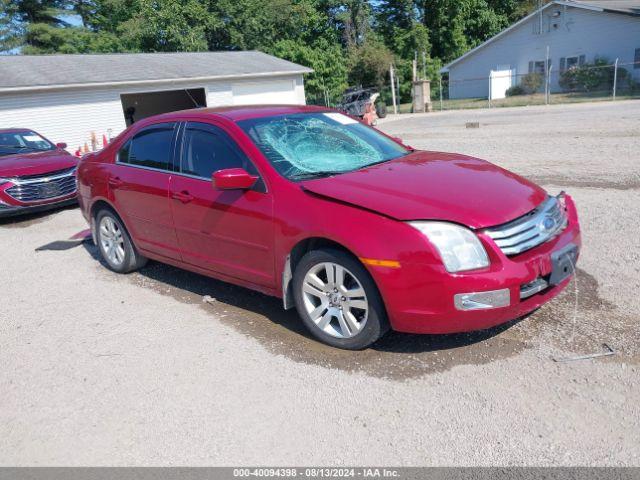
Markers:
<point>308,145</point>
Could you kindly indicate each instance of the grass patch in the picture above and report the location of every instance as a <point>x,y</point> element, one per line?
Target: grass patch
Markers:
<point>522,101</point>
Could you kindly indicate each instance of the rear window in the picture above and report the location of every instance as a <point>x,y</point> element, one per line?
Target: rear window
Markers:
<point>150,148</point>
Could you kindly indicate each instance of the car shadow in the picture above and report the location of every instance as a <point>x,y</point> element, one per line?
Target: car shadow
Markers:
<point>416,343</point>
<point>28,219</point>
<point>189,287</point>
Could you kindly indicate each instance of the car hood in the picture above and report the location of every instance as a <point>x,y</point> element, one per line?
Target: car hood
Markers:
<point>35,163</point>
<point>434,186</point>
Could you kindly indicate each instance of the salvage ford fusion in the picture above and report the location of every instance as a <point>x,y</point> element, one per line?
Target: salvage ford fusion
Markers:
<point>357,231</point>
<point>35,174</point>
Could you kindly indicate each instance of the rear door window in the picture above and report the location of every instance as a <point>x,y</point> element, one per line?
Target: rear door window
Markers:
<point>151,148</point>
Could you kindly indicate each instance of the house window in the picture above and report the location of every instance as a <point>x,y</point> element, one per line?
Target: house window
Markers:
<point>567,63</point>
<point>636,61</point>
<point>572,62</point>
<point>538,67</point>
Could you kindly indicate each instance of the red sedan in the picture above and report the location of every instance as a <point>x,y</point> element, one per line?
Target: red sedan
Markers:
<point>35,174</point>
<point>357,231</point>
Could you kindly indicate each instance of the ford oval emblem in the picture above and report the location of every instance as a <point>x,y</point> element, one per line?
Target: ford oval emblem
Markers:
<point>548,223</point>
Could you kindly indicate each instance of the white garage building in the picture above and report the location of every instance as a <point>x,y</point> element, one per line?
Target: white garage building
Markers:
<point>77,98</point>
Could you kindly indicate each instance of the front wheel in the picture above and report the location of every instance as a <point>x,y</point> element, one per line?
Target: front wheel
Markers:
<point>338,300</point>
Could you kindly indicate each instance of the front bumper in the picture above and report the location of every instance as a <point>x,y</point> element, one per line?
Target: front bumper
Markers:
<point>14,210</point>
<point>10,206</point>
<point>420,298</point>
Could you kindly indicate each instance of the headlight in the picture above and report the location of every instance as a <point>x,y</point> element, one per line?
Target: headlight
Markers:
<point>459,248</point>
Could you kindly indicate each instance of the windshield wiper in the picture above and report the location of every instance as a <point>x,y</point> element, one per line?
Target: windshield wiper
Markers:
<point>20,147</point>
<point>310,175</point>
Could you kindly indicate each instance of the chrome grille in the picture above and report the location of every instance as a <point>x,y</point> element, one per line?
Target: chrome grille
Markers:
<point>536,227</point>
<point>36,188</point>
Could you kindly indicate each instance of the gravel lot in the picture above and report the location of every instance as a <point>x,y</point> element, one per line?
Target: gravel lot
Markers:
<point>102,369</point>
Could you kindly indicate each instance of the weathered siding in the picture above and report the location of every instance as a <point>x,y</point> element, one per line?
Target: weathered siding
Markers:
<point>71,115</point>
<point>579,32</point>
<point>281,91</point>
<point>66,115</point>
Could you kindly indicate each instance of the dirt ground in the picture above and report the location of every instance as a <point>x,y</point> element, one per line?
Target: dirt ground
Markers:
<point>103,369</point>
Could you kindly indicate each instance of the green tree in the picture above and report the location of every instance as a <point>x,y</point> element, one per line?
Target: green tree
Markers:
<point>369,63</point>
<point>344,41</point>
<point>167,26</point>
<point>42,38</point>
<point>10,34</point>
<point>17,16</point>
<point>329,78</point>
<point>455,26</point>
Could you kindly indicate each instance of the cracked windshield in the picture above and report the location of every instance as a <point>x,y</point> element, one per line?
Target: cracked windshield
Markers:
<point>302,146</point>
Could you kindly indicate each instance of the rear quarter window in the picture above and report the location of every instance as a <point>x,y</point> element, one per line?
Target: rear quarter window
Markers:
<point>152,148</point>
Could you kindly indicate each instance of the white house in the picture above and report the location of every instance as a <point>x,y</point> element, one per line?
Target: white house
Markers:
<point>561,34</point>
<point>77,98</point>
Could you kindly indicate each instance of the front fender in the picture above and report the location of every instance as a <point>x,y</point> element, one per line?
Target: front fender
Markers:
<point>378,241</point>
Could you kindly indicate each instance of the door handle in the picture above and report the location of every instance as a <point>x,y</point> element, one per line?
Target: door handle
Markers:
<point>183,196</point>
<point>115,182</point>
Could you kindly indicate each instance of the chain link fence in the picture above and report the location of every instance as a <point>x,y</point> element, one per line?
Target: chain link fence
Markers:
<point>573,83</point>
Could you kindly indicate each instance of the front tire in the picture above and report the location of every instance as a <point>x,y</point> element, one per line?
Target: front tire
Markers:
<point>338,300</point>
<point>115,245</point>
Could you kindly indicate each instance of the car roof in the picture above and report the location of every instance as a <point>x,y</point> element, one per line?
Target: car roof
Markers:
<point>236,113</point>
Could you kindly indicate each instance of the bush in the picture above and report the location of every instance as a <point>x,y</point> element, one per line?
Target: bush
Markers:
<point>531,82</point>
<point>515,91</point>
<point>592,77</point>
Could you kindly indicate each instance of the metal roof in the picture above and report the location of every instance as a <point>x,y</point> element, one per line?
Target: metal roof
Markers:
<point>626,7</point>
<point>631,7</point>
<point>42,72</point>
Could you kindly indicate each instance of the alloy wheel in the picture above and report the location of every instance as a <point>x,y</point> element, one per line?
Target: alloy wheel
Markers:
<point>335,300</point>
<point>111,240</point>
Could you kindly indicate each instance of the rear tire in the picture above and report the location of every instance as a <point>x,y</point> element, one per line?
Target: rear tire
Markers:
<point>115,245</point>
<point>338,301</point>
<point>381,110</point>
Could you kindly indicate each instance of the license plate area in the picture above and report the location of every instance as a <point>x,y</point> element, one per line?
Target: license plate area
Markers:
<point>563,264</point>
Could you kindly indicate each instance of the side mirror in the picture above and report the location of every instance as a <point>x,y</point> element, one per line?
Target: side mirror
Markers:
<point>61,145</point>
<point>233,179</point>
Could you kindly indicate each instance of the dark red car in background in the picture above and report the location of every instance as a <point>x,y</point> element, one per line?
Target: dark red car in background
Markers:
<point>357,231</point>
<point>35,174</point>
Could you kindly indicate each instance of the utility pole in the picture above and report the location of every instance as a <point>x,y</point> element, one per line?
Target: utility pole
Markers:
<point>490,87</point>
<point>615,78</point>
<point>549,86</point>
<point>547,71</point>
<point>415,65</point>
<point>393,89</point>
<point>424,65</point>
<point>440,78</point>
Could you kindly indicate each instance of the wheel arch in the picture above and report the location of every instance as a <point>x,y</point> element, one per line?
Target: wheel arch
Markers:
<point>293,258</point>
<point>96,206</point>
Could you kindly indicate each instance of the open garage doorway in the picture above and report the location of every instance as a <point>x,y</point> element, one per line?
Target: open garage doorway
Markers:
<point>137,106</point>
